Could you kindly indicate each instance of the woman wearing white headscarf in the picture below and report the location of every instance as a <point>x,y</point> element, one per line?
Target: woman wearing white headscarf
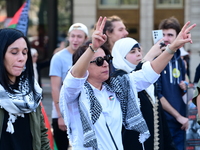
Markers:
<point>127,56</point>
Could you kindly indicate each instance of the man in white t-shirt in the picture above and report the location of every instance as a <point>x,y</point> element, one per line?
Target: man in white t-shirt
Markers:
<point>60,64</point>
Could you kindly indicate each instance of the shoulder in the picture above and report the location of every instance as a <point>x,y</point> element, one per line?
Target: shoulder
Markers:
<point>198,67</point>
<point>61,55</point>
<point>118,73</point>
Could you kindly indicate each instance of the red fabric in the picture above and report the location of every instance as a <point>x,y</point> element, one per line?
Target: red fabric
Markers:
<point>48,126</point>
<point>15,19</point>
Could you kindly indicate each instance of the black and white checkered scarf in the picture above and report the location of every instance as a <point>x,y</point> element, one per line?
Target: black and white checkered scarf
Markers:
<point>132,116</point>
<point>19,103</point>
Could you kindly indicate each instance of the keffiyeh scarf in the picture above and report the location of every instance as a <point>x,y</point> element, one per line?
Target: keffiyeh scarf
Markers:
<point>132,116</point>
<point>19,103</point>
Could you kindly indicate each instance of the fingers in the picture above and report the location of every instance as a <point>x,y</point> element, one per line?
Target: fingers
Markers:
<point>190,28</point>
<point>102,24</point>
<point>185,26</point>
<point>99,23</point>
<point>100,37</point>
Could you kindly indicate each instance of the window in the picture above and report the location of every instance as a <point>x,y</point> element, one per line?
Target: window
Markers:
<point>118,4</point>
<point>169,3</point>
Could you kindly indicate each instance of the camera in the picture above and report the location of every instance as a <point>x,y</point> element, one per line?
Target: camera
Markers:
<point>162,44</point>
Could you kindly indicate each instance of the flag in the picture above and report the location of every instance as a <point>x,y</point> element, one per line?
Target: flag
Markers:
<point>48,126</point>
<point>20,19</point>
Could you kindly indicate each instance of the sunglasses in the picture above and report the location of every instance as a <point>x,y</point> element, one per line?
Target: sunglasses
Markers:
<point>100,60</point>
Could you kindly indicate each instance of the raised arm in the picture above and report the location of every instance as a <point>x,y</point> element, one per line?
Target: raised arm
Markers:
<point>183,37</point>
<point>98,39</point>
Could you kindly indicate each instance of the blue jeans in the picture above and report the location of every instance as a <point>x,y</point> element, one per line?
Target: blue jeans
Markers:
<point>178,137</point>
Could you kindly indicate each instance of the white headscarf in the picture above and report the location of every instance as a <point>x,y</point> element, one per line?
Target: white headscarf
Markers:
<point>120,49</point>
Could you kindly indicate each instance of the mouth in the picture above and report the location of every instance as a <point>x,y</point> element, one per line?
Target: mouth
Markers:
<point>19,67</point>
<point>106,72</point>
<point>166,43</point>
<point>75,45</point>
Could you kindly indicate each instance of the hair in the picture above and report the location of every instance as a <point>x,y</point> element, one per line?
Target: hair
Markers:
<point>82,49</point>
<point>170,23</point>
<point>109,28</point>
<point>7,37</point>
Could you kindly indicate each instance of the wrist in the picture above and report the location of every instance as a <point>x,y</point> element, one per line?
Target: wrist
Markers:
<point>169,49</point>
<point>92,48</point>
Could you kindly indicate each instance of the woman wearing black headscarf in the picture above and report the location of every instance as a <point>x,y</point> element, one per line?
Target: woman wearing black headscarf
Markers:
<point>21,121</point>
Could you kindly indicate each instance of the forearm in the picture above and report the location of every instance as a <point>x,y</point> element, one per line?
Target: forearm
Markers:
<point>168,108</point>
<point>55,97</point>
<point>162,60</point>
<point>153,52</point>
<point>81,66</point>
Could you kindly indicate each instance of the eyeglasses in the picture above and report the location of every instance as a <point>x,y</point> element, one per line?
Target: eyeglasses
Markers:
<point>100,60</point>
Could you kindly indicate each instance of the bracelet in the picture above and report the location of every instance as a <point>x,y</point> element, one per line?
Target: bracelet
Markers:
<point>92,49</point>
<point>169,50</point>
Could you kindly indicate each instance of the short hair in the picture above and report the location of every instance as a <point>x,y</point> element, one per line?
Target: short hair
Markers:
<point>170,23</point>
<point>7,37</point>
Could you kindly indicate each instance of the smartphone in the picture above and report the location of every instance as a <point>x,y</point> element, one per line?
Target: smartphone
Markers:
<point>157,35</point>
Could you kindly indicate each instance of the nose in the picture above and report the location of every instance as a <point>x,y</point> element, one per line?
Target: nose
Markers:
<point>105,63</point>
<point>138,53</point>
<point>75,38</point>
<point>21,57</point>
<point>126,33</point>
<point>165,38</point>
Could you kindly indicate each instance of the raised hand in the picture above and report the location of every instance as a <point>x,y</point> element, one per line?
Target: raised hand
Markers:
<point>183,37</point>
<point>98,38</point>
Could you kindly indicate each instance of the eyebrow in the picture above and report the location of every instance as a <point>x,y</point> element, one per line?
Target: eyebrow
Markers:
<point>168,34</point>
<point>17,48</point>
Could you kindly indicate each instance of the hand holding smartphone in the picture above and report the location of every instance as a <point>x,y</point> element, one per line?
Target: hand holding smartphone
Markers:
<point>157,35</point>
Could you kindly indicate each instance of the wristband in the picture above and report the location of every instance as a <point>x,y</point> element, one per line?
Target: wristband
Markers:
<point>92,49</point>
<point>169,50</point>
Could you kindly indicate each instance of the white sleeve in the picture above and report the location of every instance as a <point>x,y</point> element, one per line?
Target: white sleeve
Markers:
<point>144,78</point>
<point>68,100</point>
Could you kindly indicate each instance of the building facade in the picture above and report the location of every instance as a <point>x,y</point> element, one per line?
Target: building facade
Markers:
<point>141,17</point>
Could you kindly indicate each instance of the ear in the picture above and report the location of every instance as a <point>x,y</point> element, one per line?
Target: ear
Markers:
<point>108,34</point>
<point>86,38</point>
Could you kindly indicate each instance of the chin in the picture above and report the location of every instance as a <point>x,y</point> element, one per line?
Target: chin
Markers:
<point>106,78</point>
<point>17,74</point>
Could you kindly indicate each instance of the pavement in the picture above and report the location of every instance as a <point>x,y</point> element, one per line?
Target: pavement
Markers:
<point>47,99</point>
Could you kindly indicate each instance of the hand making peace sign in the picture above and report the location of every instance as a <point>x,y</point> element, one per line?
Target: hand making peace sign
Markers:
<point>98,38</point>
<point>183,37</point>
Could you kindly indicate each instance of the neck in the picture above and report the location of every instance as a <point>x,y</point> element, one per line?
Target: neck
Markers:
<point>70,50</point>
<point>97,85</point>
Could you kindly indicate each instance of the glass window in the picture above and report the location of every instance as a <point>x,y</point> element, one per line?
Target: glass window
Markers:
<point>118,4</point>
<point>169,3</point>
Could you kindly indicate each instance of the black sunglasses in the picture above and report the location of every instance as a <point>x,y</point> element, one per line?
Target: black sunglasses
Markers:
<point>100,60</point>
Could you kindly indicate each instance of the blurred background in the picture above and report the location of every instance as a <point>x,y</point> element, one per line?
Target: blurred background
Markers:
<point>49,20</point>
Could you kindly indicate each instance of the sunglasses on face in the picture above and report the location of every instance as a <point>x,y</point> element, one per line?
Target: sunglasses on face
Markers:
<point>100,60</point>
